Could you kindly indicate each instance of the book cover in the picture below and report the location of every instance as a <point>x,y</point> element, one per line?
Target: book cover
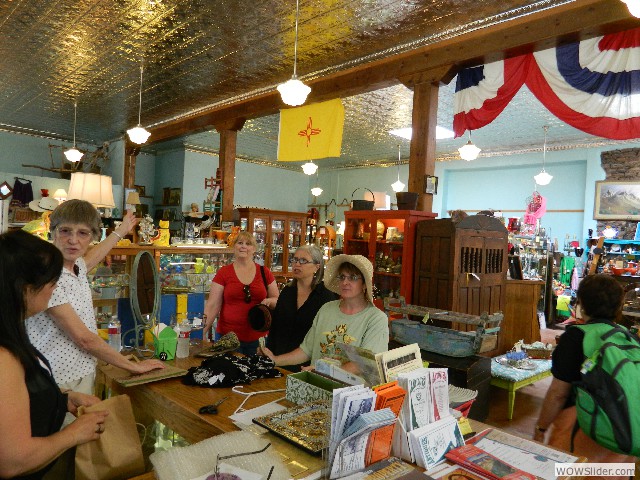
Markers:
<point>417,406</point>
<point>431,443</point>
<point>390,396</point>
<point>439,393</point>
<point>485,464</point>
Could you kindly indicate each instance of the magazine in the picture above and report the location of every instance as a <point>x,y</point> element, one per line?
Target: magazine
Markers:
<point>485,464</point>
<point>431,442</point>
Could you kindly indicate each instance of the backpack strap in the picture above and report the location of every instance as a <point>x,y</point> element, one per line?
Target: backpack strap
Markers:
<point>596,334</point>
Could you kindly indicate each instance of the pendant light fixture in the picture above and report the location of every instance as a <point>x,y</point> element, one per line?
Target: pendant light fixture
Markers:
<point>309,168</point>
<point>543,178</point>
<point>73,154</point>
<point>469,151</point>
<point>316,191</point>
<point>294,92</point>
<point>398,186</point>
<point>139,134</point>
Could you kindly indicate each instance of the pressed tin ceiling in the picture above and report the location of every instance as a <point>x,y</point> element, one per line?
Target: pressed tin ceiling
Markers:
<point>202,53</point>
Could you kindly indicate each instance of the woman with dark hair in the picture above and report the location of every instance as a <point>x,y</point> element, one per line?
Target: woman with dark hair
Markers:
<point>299,302</point>
<point>33,407</point>
<point>353,319</point>
<point>600,299</point>
<point>66,332</point>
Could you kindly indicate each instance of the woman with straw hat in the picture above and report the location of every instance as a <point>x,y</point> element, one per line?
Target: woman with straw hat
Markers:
<point>353,319</point>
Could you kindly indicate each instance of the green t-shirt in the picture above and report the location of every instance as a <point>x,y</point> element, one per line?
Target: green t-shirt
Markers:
<point>367,329</point>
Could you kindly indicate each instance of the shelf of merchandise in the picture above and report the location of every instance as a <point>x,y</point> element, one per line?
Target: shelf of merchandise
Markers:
<point>366,233</point>
<point>278,234</point>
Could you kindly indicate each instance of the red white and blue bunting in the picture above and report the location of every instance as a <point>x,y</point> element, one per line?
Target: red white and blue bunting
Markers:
<point>593,85</point>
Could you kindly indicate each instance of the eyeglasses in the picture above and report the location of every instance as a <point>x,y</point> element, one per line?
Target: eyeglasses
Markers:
<point>247,293</point>
<point>351,278</point>
<point>301,261</point>
<point>66,232</point>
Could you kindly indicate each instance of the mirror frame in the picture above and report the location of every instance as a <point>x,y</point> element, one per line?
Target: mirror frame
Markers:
<point>140,324</point>
<point>5,187</point>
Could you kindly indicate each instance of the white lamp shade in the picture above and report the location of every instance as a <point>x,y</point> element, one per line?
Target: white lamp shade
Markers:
<point>60,195</point>
<point>138,134</point>
<point>543,178</point>
<point>73,154</point>
<point>294,92</point>
<point>309,168</point>
<point>316,191</point>
<point>469,151</point>
<point>95,189</point>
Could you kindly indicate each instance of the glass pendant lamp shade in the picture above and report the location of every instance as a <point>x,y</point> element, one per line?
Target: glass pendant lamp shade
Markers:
<point>316,191</point>
<point>469,151</point>
<point>309,168</point>
<point>398,186</point>
<point>544,178</point>
<point>139,134</point>
<point>293,91</point>
<point>73,154</point>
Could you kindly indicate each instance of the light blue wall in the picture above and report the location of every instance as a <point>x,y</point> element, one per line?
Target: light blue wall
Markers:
<point>499,183</point>
<point>197,167</point>
<point>169,172</point>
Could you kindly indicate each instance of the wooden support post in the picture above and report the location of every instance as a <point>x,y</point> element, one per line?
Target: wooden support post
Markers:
<point>422,156</point>
<point>227,156</point>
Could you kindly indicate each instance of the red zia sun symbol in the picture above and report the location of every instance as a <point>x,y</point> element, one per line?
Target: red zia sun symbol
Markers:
<point>309,131</point>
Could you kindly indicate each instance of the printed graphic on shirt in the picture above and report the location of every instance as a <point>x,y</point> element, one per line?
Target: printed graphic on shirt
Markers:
<point>338,334</point>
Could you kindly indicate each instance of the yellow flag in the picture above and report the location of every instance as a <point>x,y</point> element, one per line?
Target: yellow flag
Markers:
<point>310,132</point>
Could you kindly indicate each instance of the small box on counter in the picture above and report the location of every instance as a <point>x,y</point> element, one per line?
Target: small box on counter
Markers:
<point>305,387</point>
<point>165,340</point>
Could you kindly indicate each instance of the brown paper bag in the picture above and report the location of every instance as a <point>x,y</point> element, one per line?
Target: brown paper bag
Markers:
<point>117,454</point>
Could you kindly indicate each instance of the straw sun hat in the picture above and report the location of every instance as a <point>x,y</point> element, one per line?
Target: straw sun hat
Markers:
<point>363,264</point>
<point>45,204</point>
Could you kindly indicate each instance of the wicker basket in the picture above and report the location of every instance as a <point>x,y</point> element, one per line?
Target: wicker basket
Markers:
<point>538,353</point>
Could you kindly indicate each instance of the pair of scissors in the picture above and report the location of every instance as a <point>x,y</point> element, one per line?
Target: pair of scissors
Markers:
<point>213,408</point>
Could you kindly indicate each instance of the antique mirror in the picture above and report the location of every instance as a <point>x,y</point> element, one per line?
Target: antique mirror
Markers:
<point>144,295</point>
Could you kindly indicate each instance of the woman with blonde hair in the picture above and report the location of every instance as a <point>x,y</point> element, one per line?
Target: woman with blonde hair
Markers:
<point>235,289</point>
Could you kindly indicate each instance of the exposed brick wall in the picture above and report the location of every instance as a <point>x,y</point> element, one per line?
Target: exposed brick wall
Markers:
<point>621,165</point>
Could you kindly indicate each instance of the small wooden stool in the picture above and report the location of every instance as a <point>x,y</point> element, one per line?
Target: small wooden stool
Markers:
<point>511,378</point>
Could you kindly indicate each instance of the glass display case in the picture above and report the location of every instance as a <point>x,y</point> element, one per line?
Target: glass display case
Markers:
<point>387,239</point>
<point>277,233</point>
<point>187,269</point>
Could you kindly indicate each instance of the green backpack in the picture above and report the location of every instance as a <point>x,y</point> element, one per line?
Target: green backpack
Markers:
<point>610,387</point>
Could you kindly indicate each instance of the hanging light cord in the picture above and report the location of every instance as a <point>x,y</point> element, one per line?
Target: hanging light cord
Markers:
<point>295,42</point>
<point>140,104</point>
<point>75,116</point>
<point>544,148</point>
<point>398,165</point>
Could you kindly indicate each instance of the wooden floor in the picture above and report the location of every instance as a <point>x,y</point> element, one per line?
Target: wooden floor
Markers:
<point>528,402</point>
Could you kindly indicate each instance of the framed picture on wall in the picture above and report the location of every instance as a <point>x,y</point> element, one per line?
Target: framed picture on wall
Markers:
<point>617,201</point>
<point>175,196</point>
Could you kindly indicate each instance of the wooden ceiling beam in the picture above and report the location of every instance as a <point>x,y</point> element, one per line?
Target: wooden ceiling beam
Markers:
<point>541,30</point>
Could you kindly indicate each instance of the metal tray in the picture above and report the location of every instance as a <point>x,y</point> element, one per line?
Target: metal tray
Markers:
<point>307,426</point>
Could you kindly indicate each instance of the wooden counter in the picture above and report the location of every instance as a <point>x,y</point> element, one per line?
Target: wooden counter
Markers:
<point>176,405</point>
<point>520,314</point>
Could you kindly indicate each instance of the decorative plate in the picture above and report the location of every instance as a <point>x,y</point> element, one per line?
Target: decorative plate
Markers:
<point>525,364</point>
<point>615,248</point>
<point>307,426</point>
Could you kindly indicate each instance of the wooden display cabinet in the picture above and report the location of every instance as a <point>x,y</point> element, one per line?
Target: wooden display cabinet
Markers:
<point>462,266</point>
<point>387,239</point>
<point>278,234</point>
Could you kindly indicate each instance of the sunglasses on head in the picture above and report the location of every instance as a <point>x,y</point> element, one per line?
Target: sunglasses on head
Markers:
<point>247,293</point>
